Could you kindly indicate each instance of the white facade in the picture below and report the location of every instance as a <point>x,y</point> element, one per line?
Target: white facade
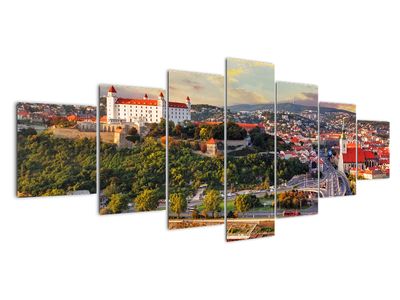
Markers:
<point>144,110</point>
<point>179,112</point>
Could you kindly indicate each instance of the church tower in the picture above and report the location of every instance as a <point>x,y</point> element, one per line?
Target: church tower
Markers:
<point>343,149</point>
<point>111,99</point>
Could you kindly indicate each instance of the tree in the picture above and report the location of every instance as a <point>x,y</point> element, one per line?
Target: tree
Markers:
<point>177,203</point>
<point>146,201</point>
<point>177,131</point>
<point>111,189</point>
<point>204,133</point>
<point>133,135</point>
<point>266,183</point>
<point>48,165</point>
<point>132,131</point>
<point>292,199</point>
<point>117,203</point>
<point>217,131</point>
<point>54,192</point>
<point>242,203</point>
<point>212,201</point>
<point>27,131</point>
<point>235,132</point>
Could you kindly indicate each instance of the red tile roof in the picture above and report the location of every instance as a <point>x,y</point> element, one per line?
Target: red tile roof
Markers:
<point>23,113</point>
<point>137,102</point>
<point>369,155</point>
<point>206,123</point>
<point>351,145</point>
<point>72,118</point>
<point>350,156</point>
<point>177,105</point>
<point>211,141</point>
<point>112,89</point>
<point>249,126</point>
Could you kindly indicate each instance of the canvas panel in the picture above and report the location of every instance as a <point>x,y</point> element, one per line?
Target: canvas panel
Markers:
<point>250,147</point>
<point>297,149</point>
<point>195,150</point>
<point>56,149</point>
<point>338,149</point>
<point>132,149</point>
<point>374,156</point>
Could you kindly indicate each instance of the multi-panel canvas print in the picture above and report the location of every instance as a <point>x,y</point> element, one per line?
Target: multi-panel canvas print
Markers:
<point>56,149</point>
<point>374,156</point>
<point>132,149</point>
<point>338,149</point>
<point>296,149</point>
<point>195,149</point>
<point>250,143</point>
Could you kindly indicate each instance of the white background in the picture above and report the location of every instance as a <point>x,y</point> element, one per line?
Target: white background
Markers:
<point>60,248</point>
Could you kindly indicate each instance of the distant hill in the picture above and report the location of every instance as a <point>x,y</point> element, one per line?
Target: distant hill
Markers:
<point>290,107</point>
<point>199,107</point>
<point>294,108</point>
<point>250,107</point>
<point>206,112</point>
<point>330,109</point>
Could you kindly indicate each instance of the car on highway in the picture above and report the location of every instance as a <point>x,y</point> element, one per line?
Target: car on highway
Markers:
<point>291,213</point>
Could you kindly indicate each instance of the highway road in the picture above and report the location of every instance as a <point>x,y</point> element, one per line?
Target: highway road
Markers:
<point>333,183</point>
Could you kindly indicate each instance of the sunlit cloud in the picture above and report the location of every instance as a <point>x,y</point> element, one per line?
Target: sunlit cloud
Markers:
<point>132,92</point>
<point>249,82</point>
<point>202,88</point>
<point>343,106</point>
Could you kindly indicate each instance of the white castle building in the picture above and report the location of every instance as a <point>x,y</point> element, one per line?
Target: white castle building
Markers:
<point>144,110</point>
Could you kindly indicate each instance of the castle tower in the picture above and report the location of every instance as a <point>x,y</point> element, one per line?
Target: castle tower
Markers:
<point>161,99</point>
<point>189,105</point>
<point>161,107</point>
<point>145,97</point>
<point>111,99</point>
<point>212,148</point>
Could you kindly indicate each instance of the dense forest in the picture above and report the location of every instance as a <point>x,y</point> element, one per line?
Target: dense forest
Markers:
<point>48,166</point>
<point>135,176</point>
<point>187,171</point>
